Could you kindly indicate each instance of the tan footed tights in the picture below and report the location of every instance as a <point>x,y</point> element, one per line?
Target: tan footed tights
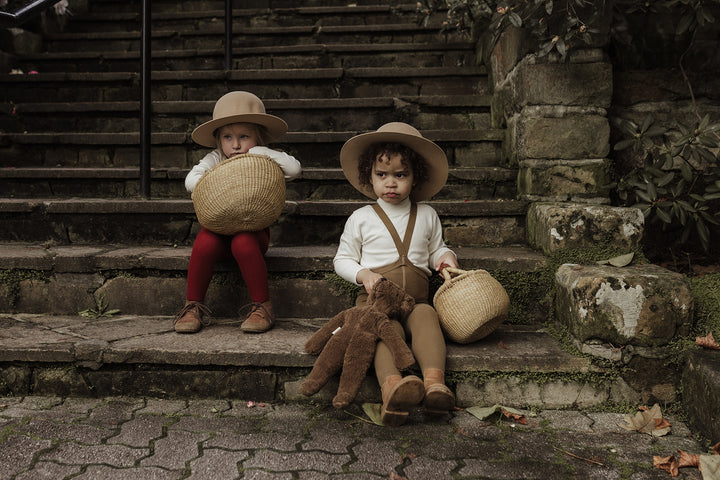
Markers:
<point>428,344</point>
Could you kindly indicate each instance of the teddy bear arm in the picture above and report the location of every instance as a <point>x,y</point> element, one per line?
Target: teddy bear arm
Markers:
<point>327,364</point>
<point>319,339</point>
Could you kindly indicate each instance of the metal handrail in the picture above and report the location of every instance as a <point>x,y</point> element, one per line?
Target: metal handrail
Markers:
<point>19,16</point>
<point>23,14</point>
<point>145,100</point>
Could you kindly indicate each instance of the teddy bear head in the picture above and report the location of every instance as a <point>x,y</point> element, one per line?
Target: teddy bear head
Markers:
<point>391,299</point>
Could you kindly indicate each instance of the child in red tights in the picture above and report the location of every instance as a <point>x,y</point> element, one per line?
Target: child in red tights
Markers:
<point>239,125</point>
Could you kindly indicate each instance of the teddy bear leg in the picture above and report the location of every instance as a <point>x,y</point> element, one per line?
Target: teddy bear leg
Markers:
<point>399,395</point>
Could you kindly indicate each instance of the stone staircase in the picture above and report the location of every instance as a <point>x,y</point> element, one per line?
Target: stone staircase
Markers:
<point>77,235</point>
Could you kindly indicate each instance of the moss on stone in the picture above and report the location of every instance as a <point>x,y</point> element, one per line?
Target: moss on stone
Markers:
<point>706,294</point>
<point>12,279</point>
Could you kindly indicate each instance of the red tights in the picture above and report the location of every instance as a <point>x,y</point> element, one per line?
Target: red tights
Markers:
<point>248,250</point>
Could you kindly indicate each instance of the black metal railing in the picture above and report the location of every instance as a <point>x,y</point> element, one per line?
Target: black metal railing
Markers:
<point>29,10</point>
<point>23,13</point>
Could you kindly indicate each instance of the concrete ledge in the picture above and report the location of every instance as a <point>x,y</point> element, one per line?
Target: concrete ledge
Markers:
<point>126,355</point>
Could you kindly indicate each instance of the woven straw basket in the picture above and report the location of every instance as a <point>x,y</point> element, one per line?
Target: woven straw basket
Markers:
<point>471,305</point>
<point>245,193</point>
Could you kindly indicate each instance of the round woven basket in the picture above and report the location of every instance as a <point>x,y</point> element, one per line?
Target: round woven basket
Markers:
<point>244,193</point>
<point>470,305</point>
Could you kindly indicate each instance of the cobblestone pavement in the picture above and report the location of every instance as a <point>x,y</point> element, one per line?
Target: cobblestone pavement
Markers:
<point>146,438</point>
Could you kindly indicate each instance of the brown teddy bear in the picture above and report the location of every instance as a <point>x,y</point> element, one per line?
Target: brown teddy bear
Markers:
<point>348,342</point>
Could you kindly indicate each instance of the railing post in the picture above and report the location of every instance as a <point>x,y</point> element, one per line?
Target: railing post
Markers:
<point>145,100</point>
<point>228,34</point>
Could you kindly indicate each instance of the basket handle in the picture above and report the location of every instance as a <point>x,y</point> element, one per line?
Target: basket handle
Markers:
<point>447,271</point>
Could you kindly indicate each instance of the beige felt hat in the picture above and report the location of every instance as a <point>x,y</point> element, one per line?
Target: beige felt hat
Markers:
<point>238,107</point>
<point>397,132</point>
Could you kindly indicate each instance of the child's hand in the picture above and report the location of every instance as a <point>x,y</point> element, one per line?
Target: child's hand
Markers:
<point>446,260</point>
<point>368,278</point>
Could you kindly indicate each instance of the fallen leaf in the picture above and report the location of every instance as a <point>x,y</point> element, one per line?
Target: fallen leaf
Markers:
<point>515,415</point>
<point>619,261</point>
<point>688,459</point>
<point>669,464</point>
<point>372,410</point>
<point>716,447</point>
<point>484,412</point>
<point>395,476</point>
<point>503,346</point>
<point>645,421</point>
<point>707,342</point>
<point>710,467</point>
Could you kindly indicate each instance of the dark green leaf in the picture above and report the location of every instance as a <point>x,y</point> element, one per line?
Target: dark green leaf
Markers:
<point>646,123</point>
<point>663,215</point>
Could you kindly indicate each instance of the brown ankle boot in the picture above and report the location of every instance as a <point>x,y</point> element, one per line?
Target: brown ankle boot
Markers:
<point>260,319</point>
<point>439,399</point>
<point>190,318</point>
<point>399,395</point>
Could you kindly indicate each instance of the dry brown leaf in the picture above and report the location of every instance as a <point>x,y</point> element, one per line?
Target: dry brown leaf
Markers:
<point>716,448</point>
<point>707,342</point>
<point>515,416</point>
<point>688,459</point>
<point>395,476</point>
<point>648,421</point>
<point>662,423</point>
<point>669,464</point>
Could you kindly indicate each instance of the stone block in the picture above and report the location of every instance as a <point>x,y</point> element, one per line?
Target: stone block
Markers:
<point>701,392</point>
<point>22,42</point>
<point>582,84</point>
<point>643,305</point>
<point>553,226</point>
<point>557,134</point>
<point>569,179</point>
<point>63,293</point>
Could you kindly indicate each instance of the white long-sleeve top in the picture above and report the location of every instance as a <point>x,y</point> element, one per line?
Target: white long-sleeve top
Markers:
<point>290,166</point>
<point>366,242</point>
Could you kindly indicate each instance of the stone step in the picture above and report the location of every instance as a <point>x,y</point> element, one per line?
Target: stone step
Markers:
<point>465,148</point>
<point>141,355</point>
<point>150,280</point>
<point>283,56</point>
<point>205,85</point>
<point>213,35</point>
<point>173,221</point>
<point>339,114</point>
<point>314,183</point>
<point>173,16</point>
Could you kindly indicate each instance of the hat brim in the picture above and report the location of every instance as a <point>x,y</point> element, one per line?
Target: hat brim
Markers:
<point>205,134</point>
<point>434,156</point>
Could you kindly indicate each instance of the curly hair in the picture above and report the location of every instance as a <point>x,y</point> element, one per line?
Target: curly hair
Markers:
<point>409,157</point>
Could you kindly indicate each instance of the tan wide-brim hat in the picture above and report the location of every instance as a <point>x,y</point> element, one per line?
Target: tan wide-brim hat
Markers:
<point>397,132</point>
<point>238,107</point>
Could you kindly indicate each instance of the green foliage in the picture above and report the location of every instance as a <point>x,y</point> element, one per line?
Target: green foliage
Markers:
<point>12,279</point>
<point>563,25</point>
<point>101,309</point>
<point>676,178</point>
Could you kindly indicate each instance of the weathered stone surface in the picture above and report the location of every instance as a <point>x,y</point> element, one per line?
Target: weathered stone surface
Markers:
<point>557,133</point>
<point>552,226</point>
<point>701,392</point>
<point>643,305</point>
<point>19,41</point>
<point>62,293</point>
<point>570,178</point>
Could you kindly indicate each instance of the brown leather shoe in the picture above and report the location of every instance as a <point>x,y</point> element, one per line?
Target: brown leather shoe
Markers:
<point>260,319</point>
<point>439,399</point>
<point>190,318</point>
<point>399,397</point>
